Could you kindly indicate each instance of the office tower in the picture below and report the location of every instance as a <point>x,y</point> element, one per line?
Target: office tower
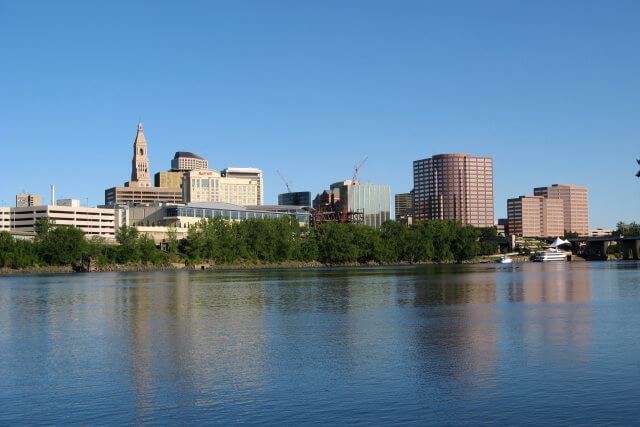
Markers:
<point>535,216</point>
<point>254,174</point>
<point>404,207</point>
<point>28,199</point>
<point>295,198</point>
<point>186,161</point>
<point>575,205</point>
<point>370,202</point>
<point>140,163</point>
<point>207,185</point>
<point>454,186</point>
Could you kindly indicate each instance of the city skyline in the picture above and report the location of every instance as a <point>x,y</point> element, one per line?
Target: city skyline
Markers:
<point>534,101</point>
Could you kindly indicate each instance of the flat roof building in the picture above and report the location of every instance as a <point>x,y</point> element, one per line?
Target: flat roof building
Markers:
<point>125,195</point>
<point>27,199</point>
<point>372,200</point>
<point>92,221</point>
<point>454,186</point>
<point>207,185</point>
<point>254,174</point>
<point>404,207</point>
<point>296,198</point>
<point>168,179</point>
<point>535,216</point>
<point>5,218</point>
<point>575,202</point>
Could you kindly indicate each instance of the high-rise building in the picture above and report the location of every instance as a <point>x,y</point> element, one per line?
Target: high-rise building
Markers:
<point>575,201</point>
<point>454,186</point>
<point>535,216</point>
<point>140,176</point>
<point>186,161</point>
<point>28,199</point>
<point>295,198</point>
<point>254,174</point>
<point>207,185</point>
<point>404,207</point>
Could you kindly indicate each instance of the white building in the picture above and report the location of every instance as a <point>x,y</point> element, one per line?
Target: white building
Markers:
<point>92,221</point>
<point>207,185</point>
<point>5,218</point>
<point>250,173</point>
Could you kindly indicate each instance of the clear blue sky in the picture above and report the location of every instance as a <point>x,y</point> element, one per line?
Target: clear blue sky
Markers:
<point>549,89</point>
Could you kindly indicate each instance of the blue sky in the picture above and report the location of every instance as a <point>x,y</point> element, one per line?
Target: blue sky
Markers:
<point>550,90</point>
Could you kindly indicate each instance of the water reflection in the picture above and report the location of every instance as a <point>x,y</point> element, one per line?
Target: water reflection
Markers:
<point>243,346</point>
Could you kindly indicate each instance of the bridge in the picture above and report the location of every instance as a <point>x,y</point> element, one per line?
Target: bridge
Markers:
<point>596,247</point>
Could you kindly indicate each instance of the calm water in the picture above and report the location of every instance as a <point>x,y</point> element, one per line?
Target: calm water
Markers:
<point>552,344</point>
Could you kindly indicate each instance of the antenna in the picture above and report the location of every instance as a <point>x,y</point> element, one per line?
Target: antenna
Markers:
<point>285,181</point>
<point>356,169</point>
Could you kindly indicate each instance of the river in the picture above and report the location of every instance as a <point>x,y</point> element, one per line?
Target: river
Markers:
<point>455,344</point>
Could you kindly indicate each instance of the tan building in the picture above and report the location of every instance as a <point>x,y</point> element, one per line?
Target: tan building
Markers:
<point>207,185</point>
<point>92,221</point>
<point>5,218</point>
<point>28,199</point>
<point>169,179</point>
<point>185,161</point>
<point>140,175</point>
<point>254,174</point>
<point>454,186</point>
<point>124,195</point>
<point>404,207</point>
<point>535,216</point>
<point>575,205</point>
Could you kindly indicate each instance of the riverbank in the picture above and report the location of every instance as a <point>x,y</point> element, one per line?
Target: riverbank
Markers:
<point>292,265</point>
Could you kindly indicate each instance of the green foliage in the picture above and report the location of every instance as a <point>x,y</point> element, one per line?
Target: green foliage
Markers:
<point>16,253</point>
<point>61,245</point>
<point>630,229</point>
<point>270,240</point>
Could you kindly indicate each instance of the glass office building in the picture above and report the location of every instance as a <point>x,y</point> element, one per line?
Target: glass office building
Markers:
<point>297,198</point>
<point>373,200</point>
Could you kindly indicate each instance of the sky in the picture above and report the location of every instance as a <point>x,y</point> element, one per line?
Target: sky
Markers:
<point>550,90</point>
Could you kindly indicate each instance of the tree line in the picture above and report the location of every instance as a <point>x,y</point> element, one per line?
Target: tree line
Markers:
<point>269,240</point>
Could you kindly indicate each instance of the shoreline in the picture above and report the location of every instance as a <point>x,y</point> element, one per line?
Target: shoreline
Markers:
<point>292,265</point>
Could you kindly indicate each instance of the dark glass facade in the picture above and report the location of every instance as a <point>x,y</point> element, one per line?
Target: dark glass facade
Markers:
<point>298,198</point>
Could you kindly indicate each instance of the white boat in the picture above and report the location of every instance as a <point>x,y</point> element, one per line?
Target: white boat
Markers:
<point>550,254</point>
<point>505,260</point>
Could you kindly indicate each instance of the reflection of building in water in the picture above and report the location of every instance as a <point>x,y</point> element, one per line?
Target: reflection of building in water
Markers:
<point>457,328</point>
<point>551,283</point>
<point>200,330</point>
<point>559,315</point>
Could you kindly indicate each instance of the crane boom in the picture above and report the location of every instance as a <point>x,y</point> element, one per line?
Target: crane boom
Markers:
<point>285,181</point>
<point>357,168</point>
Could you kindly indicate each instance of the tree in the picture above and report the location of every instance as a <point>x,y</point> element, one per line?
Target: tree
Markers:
<point>62,245</point>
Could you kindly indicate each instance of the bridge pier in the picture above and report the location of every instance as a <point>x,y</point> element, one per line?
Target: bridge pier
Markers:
<point>630,248</point>
<point>598,249</point>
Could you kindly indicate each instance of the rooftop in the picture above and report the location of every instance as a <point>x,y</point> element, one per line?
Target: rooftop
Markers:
<point>186,154</point>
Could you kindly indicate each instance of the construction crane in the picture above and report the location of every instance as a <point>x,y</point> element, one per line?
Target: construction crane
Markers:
<point>285,181</point>
<point>357,168</point>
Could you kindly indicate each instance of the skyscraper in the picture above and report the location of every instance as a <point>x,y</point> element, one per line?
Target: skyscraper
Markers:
<point>140,176</point>
<point>454,186</point>
<point>575,202</point>
<point>535,216</point>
